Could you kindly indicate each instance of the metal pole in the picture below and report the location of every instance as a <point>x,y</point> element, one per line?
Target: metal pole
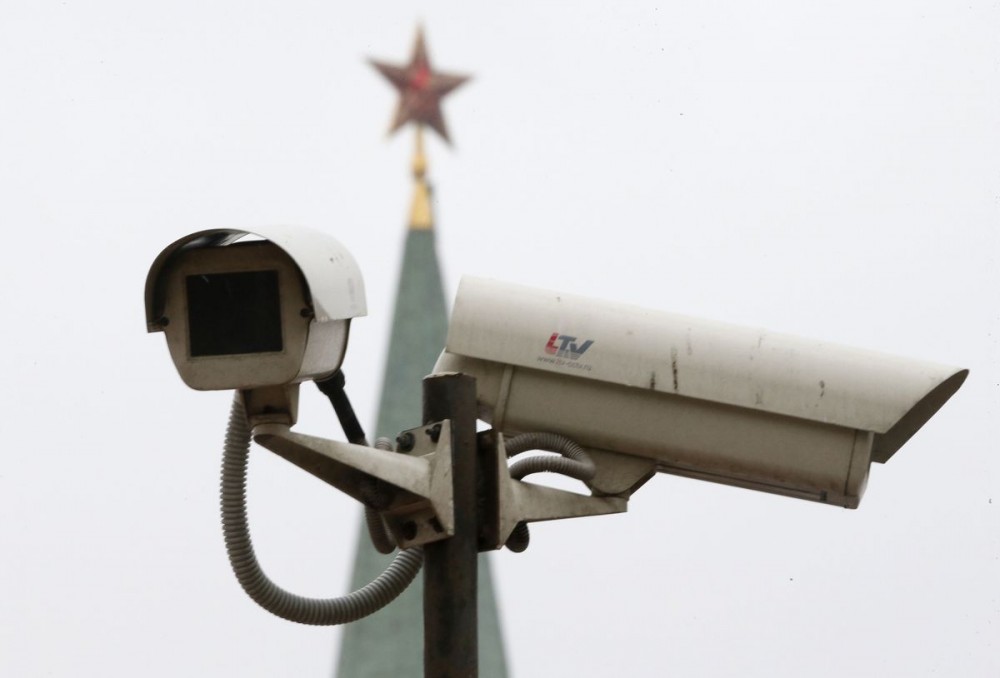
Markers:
<point>451,644</point>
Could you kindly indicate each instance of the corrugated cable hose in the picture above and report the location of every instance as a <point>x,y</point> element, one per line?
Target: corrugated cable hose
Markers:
<point>320,612</point>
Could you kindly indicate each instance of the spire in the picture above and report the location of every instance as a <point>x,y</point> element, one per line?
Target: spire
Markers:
<point>390,642</point>
<point>421,216</point>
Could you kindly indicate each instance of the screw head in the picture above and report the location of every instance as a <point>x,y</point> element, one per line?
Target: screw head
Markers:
<point>434,432</point>
<point>405,441</point>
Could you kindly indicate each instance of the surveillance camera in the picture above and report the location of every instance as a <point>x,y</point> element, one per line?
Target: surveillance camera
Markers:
<point>648,391</point>
<point>246,313</point>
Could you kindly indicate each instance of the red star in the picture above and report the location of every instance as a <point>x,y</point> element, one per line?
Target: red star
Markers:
<point>420,89</point>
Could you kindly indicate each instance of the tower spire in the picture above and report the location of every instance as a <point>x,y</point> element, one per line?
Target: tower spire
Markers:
<point>421,214</point>
<point>390,642</point>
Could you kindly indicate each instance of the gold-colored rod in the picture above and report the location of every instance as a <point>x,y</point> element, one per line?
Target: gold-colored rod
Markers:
<point>421,218</point>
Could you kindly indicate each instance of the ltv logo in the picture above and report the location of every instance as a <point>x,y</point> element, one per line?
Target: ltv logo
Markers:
<point>565,346</point>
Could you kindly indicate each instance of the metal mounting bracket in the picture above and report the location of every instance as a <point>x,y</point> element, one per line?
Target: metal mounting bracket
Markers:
<point>419,509</point>
<point>520,501</point>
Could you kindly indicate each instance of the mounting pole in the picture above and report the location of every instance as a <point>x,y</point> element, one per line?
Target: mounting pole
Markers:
<point>451,644</point>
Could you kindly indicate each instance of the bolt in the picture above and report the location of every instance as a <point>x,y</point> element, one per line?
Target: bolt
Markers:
<point>409,530</point>
<point>434,432</point>
<point>405,441</point>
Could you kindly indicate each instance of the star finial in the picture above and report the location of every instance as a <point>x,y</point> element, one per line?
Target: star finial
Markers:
<point>420,89</point>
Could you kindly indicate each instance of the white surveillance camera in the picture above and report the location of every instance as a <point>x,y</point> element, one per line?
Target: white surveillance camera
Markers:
<point>242,314</point>
<point>648,391</point>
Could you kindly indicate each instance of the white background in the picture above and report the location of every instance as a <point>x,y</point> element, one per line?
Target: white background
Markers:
<point>825,169</point>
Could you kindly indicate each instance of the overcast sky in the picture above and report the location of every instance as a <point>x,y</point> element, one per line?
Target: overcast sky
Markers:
<point>825,169</point>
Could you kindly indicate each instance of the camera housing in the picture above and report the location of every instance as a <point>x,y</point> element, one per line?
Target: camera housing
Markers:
<point>649,391</point>
<point>243,313</point>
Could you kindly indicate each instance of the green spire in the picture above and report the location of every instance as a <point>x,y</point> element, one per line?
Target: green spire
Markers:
<point>389,644</point>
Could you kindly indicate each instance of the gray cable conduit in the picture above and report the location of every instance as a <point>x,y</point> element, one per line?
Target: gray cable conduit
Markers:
<point>574,463</point>
<point>381,540</point>
<point>319,612</point>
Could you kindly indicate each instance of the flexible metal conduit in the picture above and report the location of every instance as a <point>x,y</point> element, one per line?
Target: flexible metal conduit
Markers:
<point>319,612</point>
<point>574,463</point>
<point>381,540</point>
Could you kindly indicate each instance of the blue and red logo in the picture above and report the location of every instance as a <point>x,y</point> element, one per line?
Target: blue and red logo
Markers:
<point>565,346</point>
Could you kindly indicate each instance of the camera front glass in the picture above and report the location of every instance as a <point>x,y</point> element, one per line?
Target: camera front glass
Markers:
<point>233,313</point>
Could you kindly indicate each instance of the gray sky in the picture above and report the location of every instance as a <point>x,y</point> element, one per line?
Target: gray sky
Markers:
<point>825,169</point>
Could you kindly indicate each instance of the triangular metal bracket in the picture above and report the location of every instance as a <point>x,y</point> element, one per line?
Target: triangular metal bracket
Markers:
<point>528,502</point>
<point>419,510</point>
